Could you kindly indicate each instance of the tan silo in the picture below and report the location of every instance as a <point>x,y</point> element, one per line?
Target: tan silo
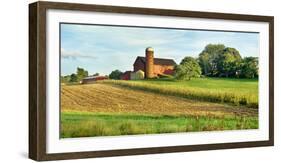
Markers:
<point>149,62</point>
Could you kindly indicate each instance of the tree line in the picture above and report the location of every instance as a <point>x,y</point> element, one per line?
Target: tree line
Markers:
<point>217,60</point>
<point>75,77</point>
<point>82,73</point>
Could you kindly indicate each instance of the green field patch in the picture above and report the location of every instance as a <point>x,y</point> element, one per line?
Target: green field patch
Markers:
<point>87,124</point>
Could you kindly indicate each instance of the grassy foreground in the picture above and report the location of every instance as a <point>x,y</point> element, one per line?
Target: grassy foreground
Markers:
<point>234,91</point>
<point>85,124</point>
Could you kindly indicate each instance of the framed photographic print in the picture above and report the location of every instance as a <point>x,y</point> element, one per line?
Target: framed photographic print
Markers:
<point>112,81</point>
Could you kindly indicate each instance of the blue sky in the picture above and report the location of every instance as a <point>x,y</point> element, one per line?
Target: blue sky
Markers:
<point>105,48</point>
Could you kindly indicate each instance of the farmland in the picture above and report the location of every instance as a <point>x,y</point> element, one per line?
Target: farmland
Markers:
<point>150,107</point>
<point>233,91</point>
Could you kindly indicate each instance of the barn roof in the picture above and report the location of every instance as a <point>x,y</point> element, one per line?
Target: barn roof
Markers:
<point>126,72</point>
<point>90,77</point>
<point>159,61</point>
<point>93,77</point>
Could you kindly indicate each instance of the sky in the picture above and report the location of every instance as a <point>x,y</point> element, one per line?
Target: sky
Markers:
<point>102,49</point>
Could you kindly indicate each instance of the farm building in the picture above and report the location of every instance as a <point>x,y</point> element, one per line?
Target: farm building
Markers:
<point>153,66</point>
<point>126,75</point>
<point>92,79</point>
<point>129,75</point>
<point>137,75</point>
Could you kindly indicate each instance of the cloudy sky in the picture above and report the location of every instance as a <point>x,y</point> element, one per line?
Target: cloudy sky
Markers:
<point>105,48</point>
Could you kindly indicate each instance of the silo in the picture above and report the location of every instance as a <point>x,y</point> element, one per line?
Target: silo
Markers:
<point>149,62</point>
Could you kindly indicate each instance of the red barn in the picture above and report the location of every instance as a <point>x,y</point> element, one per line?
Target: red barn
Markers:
<point>154,66</point>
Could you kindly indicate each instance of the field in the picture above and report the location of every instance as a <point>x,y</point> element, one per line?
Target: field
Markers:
<point>232,91</point>
<point>155,106</point>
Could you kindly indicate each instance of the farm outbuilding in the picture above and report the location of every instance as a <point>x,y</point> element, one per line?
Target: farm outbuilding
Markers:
<point>92,79</point>
<point>137,75</point>
<point>129,75</point>
<point>126,75</point>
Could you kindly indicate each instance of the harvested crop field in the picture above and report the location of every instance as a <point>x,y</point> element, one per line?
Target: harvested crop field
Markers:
<point>104,98</point>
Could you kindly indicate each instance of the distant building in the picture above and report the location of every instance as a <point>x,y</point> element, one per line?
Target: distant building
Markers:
<point>126,75</point>
<point>129,75</point>
<point>153,66</point>
<point>92,79</point>
<point>137,75</point>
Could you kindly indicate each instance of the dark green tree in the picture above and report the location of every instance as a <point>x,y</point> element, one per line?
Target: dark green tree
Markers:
<point>81,73</point>
<point>73,78</point>
<point>116,74</point>
<point>249,67</point>
<point>233,52</point>
<point>228,62</point>
<point>208,59</point>
<point>187,69</point>
<point>218,60</point>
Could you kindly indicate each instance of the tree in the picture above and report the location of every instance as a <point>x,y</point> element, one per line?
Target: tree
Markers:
<point>218,60</point>
<point>204,63</point>
<point>73,78</point>
<point>235,53</point>
<point>81,73</point>
<point>228,62</point>
<point>96,74</point>
<point>116,74</point>
<point>187,69</point>
<point>208,58</point>
<point>249,67</point>
<point>65,79</point>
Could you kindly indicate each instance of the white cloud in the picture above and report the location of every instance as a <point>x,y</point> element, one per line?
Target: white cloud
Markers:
<point>68,54</point>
